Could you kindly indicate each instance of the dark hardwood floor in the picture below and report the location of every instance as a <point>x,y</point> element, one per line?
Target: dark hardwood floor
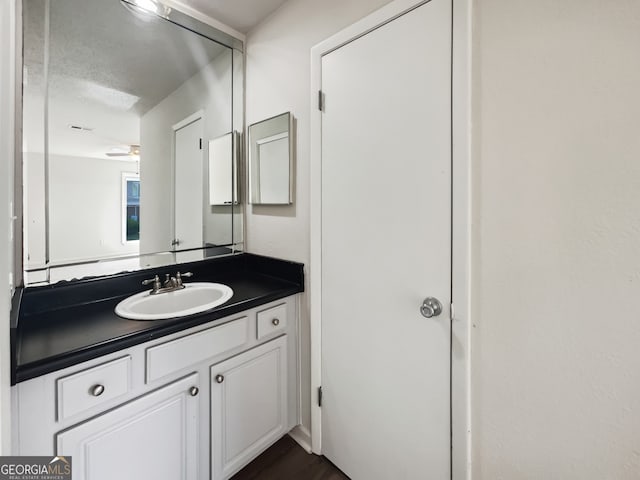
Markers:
<point>286,460</point>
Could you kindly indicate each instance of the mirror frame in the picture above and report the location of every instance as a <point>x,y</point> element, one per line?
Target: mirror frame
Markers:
<point>170,257</point>
<point>252,145</point>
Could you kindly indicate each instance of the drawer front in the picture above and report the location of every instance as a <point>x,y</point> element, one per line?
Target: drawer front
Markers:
<point>273,320</point>
<point>183,352</point>
<point>93,387</point>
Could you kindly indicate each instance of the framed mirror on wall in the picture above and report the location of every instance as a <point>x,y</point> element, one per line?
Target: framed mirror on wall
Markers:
<point>271,161</point>
<point>120,108</point>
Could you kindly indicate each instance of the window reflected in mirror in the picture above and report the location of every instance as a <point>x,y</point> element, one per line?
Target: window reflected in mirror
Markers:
<point>130,207</point>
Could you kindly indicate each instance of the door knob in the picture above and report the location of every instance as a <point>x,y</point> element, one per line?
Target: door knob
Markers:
<point>431,307</point>
<point>219,378</point>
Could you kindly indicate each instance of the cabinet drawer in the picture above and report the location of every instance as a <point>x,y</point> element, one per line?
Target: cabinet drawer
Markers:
<point>95,386</point>
<point>272,320</point>
<point>183,352</point>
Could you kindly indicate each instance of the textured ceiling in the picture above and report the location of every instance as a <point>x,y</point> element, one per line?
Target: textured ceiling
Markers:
<point>241,15</point>
<point>107,67</point>
<point>101,50</point>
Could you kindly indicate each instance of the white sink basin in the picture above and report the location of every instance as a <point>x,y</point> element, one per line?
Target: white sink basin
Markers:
<point>196,297</point>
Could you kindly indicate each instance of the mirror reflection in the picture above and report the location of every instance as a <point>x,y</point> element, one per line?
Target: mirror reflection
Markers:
<point>119,108</point>
<point>270,161</point>
<point>223,162</point>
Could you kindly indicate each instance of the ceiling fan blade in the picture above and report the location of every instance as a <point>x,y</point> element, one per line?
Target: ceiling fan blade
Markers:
<point>110,154</point>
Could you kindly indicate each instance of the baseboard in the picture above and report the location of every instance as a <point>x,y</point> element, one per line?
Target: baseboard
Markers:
<point>302,436</point>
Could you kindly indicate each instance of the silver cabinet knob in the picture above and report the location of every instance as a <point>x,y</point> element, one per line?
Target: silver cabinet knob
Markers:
<point>193,391</point>
<point>276,322</point>
<point>431,307</point>
<point>219,378</point>
<point>96,390</point>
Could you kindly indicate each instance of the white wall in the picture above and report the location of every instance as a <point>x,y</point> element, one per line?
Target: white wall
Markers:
<point>278,78</point>
<point>208,90</point>
<point>7,144</point>
<point>85,208</point>
<point>556,357</point>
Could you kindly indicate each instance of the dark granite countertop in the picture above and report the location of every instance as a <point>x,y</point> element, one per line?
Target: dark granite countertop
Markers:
<point>68,323</point>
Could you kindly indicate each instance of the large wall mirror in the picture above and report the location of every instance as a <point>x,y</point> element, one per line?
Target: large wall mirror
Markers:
<point>122,108</point>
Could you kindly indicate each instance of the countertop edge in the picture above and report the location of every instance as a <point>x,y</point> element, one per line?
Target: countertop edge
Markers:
<point>13,332</point>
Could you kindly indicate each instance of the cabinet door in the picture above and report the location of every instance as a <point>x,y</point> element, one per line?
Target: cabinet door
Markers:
<point>152,438</point>
<point>248,406</point>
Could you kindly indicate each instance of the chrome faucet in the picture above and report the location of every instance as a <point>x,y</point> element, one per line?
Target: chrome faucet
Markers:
<point>170,284</point>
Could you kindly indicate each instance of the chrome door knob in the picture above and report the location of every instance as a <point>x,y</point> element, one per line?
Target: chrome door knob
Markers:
<point>219,378</point>
<point>193,391</point>
<point>431,307</point>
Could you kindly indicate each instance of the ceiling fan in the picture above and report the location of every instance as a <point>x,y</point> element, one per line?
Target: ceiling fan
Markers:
<point>134,151</point>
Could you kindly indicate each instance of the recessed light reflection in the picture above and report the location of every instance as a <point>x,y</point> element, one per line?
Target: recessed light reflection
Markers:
<point>147,6</point>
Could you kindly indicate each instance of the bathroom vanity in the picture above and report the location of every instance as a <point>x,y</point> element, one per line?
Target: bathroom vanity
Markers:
<point>121,98</point>
<point>196,397</point>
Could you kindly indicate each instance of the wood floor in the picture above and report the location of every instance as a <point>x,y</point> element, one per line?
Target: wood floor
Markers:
<point>286,460</point>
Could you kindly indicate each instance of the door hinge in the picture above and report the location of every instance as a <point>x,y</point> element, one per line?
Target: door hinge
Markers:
<point>320,101</point>
<point>452,313</point>
<point>320,396</point>
<point>200,144</point>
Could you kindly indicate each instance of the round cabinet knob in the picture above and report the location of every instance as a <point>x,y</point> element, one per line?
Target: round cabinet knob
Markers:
<point>193,391</point>
<point>219,378</point>
<point>431,307</point>
<point>96,390</point>
<point>276,322</point>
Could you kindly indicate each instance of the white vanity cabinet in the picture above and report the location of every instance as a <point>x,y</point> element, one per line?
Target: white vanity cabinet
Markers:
<point>154,436</point>
<point>195,405</point>
<point>248,405</point>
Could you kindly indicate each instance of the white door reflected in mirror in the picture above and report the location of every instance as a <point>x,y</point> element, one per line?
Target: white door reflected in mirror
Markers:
<point>270,161</point>
<point>188,225</point>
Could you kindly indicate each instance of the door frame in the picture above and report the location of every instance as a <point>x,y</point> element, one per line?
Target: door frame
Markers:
<point>460,225</point>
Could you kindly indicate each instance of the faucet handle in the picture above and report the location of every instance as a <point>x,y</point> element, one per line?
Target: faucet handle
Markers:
<point>179,277</point>
<point>151,280</point>
<point>155,281</point>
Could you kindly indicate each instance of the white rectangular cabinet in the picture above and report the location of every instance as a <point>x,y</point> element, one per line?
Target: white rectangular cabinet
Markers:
<point>248,405</point>
<point>202,419</point>
<point>155,436</point>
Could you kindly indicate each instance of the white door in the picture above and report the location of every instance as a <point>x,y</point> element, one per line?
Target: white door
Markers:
<point>386,245</point>
<point>188,188</point>
<point>248,406</point>
<point>152,438</point>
